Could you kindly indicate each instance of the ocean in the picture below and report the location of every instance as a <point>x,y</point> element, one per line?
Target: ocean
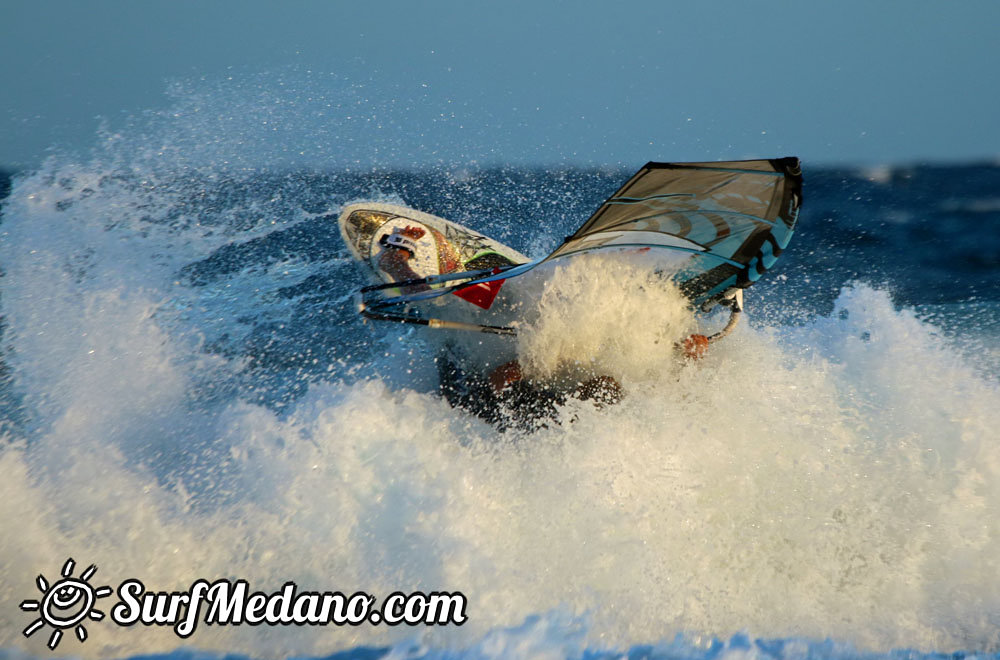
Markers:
<point>186,392</point>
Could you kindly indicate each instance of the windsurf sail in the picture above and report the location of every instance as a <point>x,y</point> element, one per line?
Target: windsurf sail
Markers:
<point>733,218</point>
<point>729,220</point>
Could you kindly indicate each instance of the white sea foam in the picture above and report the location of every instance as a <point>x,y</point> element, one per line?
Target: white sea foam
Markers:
<point>603,314</point>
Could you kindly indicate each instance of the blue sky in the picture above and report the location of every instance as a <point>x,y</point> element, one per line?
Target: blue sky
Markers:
<point>514,82</point>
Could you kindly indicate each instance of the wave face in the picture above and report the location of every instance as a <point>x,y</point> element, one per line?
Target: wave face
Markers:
<point>188,393</point>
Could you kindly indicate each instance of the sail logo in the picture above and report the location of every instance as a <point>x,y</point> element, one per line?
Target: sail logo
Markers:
<point>69,602</point>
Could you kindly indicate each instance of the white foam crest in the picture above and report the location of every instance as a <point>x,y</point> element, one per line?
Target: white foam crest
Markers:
<point>70,272</point>
<point>599,313</point>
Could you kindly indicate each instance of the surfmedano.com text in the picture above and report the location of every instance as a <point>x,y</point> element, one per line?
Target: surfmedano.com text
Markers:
<point>227,603</point>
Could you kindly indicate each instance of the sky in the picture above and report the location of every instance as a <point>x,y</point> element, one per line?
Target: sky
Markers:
<point>543,82</point>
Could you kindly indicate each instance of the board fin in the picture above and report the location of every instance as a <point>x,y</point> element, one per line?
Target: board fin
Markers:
<point>481,294</point>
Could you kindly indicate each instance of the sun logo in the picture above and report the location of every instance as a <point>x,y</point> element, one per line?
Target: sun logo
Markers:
<point>65,604</point>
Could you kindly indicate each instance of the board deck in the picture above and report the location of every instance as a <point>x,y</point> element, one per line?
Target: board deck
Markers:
<point>439,246</point>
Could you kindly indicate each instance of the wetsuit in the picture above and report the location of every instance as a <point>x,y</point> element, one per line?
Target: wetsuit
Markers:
<point>523,405</point>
